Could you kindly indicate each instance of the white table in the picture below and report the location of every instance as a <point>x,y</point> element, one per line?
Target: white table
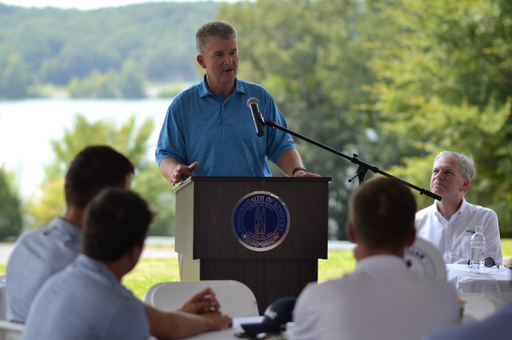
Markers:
<point>492,281</point>
<point>229,333</point>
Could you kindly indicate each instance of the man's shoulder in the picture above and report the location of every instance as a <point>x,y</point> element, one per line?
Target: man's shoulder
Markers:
<point>251,89</point>
<point>425,211</point>
<point>327,287</point>
<point>423,215</point>
<point>92,285</point>
<point>478,209</point>
<point>99,302</point>
<point>432,289</point>
<point>31,237</point>
<point>248,83</point>
<point>191,91</point>
<point>46,249</point>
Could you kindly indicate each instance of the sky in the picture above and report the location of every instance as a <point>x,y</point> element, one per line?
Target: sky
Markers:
<point>85,4</point>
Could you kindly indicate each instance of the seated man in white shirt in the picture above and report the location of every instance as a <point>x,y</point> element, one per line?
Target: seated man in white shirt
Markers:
<point>87,300</point>
<point>381,299</point>
<point>450,223</point>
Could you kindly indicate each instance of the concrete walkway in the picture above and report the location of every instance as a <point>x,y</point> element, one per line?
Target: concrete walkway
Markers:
<point>163,247</point>
<point>5,251</point>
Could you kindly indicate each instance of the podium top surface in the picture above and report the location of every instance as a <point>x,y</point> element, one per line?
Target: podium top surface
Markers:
<point>249,179</point>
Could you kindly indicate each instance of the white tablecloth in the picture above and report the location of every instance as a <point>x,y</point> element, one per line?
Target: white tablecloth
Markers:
<point>492,281</point>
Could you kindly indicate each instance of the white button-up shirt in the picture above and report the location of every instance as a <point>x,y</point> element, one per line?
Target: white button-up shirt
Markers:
<point>453,237</point>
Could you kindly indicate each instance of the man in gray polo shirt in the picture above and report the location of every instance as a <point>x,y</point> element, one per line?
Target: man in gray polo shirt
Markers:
<point>43,252</point>
<point>87,300</point>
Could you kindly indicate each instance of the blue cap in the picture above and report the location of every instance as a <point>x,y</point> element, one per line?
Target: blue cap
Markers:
<point>276,316</point>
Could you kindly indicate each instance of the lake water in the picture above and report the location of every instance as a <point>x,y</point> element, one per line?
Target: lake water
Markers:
<point>27,126</point>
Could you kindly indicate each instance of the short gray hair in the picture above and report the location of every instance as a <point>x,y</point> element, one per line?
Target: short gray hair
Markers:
<point>467,167</point>
<point>213,29</point>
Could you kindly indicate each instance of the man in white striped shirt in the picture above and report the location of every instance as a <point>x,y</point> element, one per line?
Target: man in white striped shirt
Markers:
<point>87,299</point>
<point>41,253</point>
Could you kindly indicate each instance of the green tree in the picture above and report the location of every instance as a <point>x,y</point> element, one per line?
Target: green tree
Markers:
<point>128,140</point>
<point>310,56</point>
<point>11,222</point>
<point>131,81</point>
<point>443,82</point>
<point>95,85</point>
<point>14,77</point>
<point>58,44</point>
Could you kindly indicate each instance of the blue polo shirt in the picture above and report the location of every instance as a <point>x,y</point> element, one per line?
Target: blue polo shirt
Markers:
<point>86,301</point>
<point>219,134</point>
<point>38,255</point>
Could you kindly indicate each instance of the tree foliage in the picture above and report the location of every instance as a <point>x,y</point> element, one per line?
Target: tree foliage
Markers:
<point>444,83</point>
<point>95,85</point>
<point>394,81</point>
<point>307,55</point>
<point>51,45</point>
<point>127,139</point>
<point>128,84</point>
<point>11,222</point>
<point>14,76</point>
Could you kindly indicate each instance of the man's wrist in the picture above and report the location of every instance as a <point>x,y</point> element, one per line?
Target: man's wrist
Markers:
<point>298,169</point>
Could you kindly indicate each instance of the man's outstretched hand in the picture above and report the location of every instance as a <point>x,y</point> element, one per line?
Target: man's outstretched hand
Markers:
<point>182,172</point>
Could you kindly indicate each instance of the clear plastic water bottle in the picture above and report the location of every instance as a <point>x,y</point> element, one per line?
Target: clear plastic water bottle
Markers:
<point>477,252</point>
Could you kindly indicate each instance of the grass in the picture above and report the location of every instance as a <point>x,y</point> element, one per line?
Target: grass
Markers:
<point>506,246</point>
<point>338,263</point>
<point>150,270</point>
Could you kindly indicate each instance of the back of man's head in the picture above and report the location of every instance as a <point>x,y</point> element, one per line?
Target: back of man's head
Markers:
<point>93,169</point>
<point>382,212</point>
<point>116,221</point>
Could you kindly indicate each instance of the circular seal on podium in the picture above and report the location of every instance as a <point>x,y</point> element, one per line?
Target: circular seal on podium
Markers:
<point>260,221</point>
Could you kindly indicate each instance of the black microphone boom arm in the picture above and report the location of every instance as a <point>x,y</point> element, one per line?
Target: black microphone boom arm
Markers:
<point>363,167</point>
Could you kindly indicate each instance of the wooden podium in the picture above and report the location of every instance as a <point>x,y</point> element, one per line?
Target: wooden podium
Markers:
<point>209,249</point>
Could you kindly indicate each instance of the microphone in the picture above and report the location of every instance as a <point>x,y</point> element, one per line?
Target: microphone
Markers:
<point>257,118</point>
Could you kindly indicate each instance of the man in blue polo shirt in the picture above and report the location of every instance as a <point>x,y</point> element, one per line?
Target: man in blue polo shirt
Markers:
<point>87,300</point>
<point>208,128</point>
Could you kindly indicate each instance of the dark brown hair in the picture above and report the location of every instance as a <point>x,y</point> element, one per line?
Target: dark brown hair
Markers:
<point>383,212</point>
<point>95,168</point>
<point>116,220</point>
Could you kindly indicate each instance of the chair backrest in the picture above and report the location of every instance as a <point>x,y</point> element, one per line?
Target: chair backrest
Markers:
<point>425,258</point>
<point>479,306</point>
<point>3,302</point>
<point>235,298</point>
<point>10,330</point>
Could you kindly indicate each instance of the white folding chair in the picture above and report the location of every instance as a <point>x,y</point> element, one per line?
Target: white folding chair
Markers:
<point>3,313</point>
<point>235,298</point>
<point>425,258</point>
<point>10,330</point>
<point>479,306</point>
